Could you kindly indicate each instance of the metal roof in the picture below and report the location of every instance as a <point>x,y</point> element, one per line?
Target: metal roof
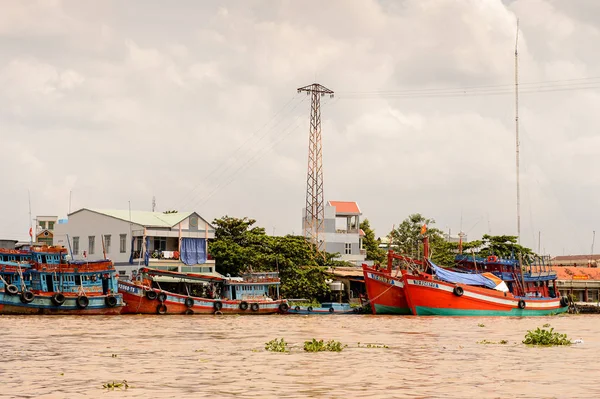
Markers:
<point>143,218</point>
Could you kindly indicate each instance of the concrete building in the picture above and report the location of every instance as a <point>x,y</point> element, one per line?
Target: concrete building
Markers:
<point>576,260</point>
<point>581,282</point>
<point>166,241</point>
<point>8,243</point>
<point>44,230</point>
<point>342,232</point>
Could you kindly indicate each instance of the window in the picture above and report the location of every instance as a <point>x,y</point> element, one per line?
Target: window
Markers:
<point>107,243</point>
<point>348,248</point>
<point>121,272</point>
<point>122,243</point>
<point>42,224</point>
<point>75,245</point>
<point>160,244</point>
<point>50,225</point>
<point>92,242</point>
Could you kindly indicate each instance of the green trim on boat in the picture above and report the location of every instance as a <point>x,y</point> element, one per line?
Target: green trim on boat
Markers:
<point>382,309</point>
<point>426,311</point>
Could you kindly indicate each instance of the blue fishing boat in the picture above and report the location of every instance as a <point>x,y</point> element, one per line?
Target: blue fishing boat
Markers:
<point>325,308</point>
<point>42,280</point>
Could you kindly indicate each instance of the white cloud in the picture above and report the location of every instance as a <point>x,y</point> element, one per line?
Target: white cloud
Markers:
<point>119,108</point>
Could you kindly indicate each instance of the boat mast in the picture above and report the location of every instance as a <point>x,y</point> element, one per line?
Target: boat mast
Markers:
<point>517,134</point>
<point>30,219</point>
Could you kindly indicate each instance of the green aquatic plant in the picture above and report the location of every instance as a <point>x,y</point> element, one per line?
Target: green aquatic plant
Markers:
<point>321,346</point>
<point>112,385</point>
<point>374,346</point>
<point>276,345</point>
<point>546,325</point>
<point>480,325</point>
<point>486,342</point>
<point>543,337</point>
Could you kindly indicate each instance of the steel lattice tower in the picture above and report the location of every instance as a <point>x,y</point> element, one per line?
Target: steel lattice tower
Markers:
<point>315,202</point>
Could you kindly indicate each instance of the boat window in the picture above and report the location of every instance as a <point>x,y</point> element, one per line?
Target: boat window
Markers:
<point>78,280</point>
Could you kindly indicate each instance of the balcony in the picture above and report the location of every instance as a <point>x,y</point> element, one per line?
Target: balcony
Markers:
<point>344,231</point>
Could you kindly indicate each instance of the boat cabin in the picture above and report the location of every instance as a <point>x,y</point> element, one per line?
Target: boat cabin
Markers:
<point>252,286</point>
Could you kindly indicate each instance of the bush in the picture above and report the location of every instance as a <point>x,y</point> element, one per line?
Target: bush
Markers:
<point>320,346</point>
<point>543,337</point>
<point>275,345</point>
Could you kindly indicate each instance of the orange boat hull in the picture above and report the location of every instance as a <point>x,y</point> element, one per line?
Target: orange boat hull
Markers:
<point>428,297</point>
<point>385,292</point>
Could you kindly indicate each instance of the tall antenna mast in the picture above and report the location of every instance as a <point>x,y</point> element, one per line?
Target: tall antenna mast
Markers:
<point>30,219</point>
<point>153,203</point>
<point>315,201</point>
<point>517,133</point>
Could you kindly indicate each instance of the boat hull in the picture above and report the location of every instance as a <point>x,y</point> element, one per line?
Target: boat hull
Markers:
<point>42,304</point>
<point>137,302</point>
<point>385,292</point>
<point>427,297</point>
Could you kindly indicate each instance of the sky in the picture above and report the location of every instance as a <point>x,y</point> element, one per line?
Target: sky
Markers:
<point>109,104</point>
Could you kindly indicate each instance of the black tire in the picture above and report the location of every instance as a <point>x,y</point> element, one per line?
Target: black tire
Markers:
<point>283,307</point>
<point>161,308</point>
<point>27,296</point>
<point>111,301</point>
<point>161,297</point>
<point>243,305</point>
<point>188,312</point>
<point>254,307</point>
<point>218,305</point>
<point>11,289</point>
<point>331,310</point>
<point>82,301</point>
<point>522,304</point>
<point>297,308</point>
<point>458,291</point>
<point>58,299</point>
<point>189,302</point>
<point>564,302</point>
<point>309,309</point>
<point>151,295</point>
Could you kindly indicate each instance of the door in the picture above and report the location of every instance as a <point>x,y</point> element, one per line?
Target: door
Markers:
<point>49,283</point>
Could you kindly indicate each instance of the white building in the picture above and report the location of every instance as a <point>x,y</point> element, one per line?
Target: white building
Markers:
<point>131,239</point>
<point>342,230</point>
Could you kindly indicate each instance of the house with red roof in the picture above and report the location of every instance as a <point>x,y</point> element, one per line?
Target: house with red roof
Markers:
<point>342,231</point>
<point>582,282</point>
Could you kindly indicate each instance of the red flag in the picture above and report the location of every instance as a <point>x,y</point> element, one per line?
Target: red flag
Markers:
<point>85,254</point>
<point>30,232</point>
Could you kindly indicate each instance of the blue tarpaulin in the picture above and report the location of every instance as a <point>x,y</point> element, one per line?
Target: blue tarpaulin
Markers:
<point>131,256</point>
<point>147,253</point>
<point>462,278</point>
<point>193,251</point>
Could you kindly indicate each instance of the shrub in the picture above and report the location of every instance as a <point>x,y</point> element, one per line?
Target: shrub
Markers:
<point>543,337</point>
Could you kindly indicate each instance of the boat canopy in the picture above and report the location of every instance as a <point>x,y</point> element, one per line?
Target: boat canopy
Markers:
<point>483,279</point>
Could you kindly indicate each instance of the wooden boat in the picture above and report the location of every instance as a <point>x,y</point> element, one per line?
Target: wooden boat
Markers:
<point>385,291</point>
<point>331,308</point>
<point>42,281</point>
<point>445,292</point>
<point>163,292</point>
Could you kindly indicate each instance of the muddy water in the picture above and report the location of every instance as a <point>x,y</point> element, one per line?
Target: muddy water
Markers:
<point>224,357</point>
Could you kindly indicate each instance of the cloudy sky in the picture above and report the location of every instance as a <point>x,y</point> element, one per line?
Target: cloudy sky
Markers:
<point>195,103</point>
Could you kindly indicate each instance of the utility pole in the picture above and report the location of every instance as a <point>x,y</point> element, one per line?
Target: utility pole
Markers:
<point>153,203</point>
<point>517,133</point>
<point>315,201</point>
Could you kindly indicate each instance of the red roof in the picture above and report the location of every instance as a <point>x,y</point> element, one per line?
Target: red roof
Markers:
<point>577,273</point>
<point>345,207</point>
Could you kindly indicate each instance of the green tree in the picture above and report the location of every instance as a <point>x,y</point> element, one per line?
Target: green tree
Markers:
<point>374,253</point>
<point>407,239</point>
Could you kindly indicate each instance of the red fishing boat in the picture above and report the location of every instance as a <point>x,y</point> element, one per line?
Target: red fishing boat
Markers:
<point>385,289</point>
<point>445,292</point>
<point>162,292</point>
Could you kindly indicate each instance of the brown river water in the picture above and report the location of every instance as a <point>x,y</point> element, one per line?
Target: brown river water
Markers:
<point>224,357</point>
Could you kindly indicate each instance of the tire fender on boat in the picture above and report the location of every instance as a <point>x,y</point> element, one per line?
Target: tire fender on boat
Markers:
<point>297,308</point>
<point>82,302</point>
<point>243,305</point>
<point>58,299</point>
<point>189,302</point>
<point>522,304</point>
<point>27,296</point>
<point>161,308</point>
<point>151,295</point>
<point>11,289</point>
<point>283,307</point>
<point>218,305</point>
<point>111,301</point>
<point>458,291</point>
<point>331,310</point>
<point>254,307</point>
<point>162,297</point>
<point>564,301</point>
<point>309,309</point>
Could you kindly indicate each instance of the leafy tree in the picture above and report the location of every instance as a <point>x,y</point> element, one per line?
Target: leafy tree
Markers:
<point>407,239</point>
<point>503,247</point>
<point>371,244</point>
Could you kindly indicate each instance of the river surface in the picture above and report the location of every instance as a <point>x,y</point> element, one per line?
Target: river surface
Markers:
<point>224,357</point>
